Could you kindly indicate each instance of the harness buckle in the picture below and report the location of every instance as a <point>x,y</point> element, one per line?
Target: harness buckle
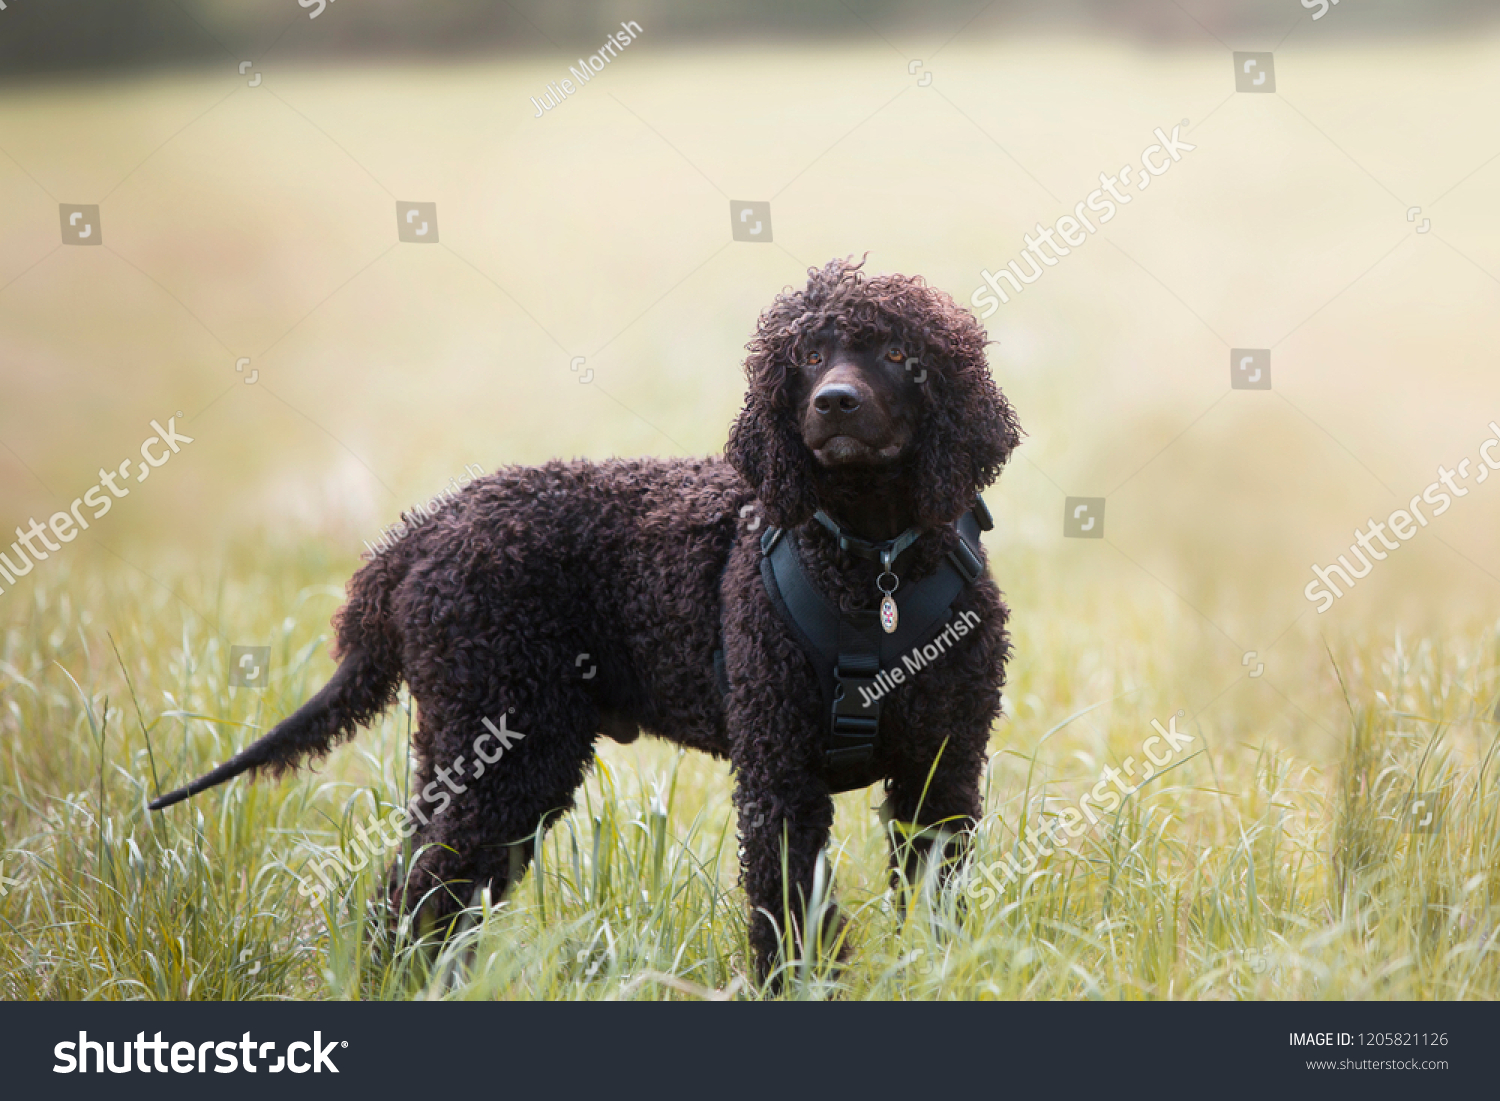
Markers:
<point>856,713</point>
<point>967,563</point>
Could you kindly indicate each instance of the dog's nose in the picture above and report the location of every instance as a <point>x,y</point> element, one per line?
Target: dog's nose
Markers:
<point>837,397</point>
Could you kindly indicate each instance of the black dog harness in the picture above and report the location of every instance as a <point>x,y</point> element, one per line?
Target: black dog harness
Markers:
<point>850,650</point>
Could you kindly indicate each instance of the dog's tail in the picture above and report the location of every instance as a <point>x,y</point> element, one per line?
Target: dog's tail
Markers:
<point>365,684</point>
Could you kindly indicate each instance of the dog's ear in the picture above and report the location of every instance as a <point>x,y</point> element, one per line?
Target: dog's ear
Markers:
<point>765,446</point>
<point>766,450</point>
<point>969,432</point>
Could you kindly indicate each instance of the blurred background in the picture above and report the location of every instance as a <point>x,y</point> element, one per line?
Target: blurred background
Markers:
<point>585,296</point>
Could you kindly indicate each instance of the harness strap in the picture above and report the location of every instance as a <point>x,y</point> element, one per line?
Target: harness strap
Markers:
<point>849,650</point>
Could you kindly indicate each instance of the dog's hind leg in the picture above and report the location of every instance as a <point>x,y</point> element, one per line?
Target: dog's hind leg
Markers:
<point>489,785</point>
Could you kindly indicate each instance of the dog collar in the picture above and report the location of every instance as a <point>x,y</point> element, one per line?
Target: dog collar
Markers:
<point>885,552</point>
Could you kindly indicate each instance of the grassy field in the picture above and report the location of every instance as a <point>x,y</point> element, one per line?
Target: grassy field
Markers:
<point>1243,871</point>
<point>1274,860</point>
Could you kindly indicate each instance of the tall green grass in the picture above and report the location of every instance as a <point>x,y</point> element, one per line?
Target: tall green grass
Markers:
<point>1245,872</point>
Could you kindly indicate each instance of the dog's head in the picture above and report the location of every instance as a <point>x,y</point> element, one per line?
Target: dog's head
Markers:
<point>869,385</point>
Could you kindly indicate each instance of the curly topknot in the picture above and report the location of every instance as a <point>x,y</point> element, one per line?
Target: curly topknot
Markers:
<point>968,428</point>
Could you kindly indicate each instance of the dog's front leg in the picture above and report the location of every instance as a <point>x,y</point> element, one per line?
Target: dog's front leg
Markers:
<point>934,799</point>
<point>784,825</point>
<point>777,725</point>
<point>929,815</point>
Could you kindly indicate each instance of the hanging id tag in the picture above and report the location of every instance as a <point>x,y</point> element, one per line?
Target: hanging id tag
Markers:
<point>889,616</point>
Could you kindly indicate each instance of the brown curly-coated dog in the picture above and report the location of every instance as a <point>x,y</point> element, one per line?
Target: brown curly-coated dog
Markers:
<point>648,567</point>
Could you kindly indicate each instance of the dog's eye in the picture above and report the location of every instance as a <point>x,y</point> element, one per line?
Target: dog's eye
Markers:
<point>895,355</point>
<point>814,358</point>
